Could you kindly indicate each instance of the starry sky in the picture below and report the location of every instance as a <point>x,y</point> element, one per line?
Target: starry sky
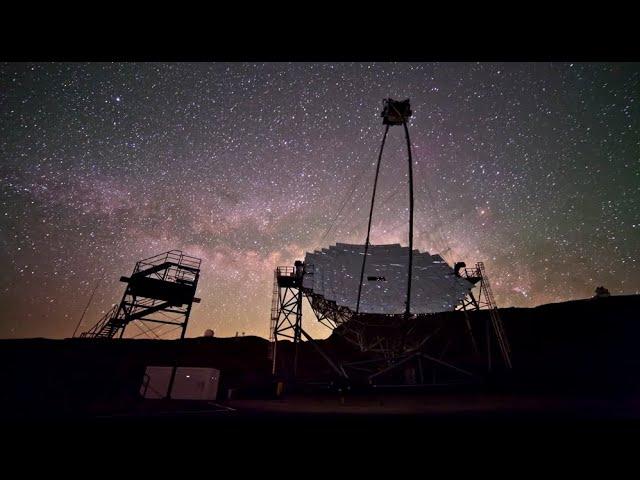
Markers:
<point>533,168</point>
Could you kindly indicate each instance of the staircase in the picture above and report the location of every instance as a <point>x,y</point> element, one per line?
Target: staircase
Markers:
<point>498,327</point>
<point>107,331</point>
<point>107,327</point>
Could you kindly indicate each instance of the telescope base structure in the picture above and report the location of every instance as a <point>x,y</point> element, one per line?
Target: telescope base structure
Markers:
<point>428,349</point>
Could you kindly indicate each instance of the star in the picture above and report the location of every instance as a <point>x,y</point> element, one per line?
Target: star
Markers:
<point>529,167</point>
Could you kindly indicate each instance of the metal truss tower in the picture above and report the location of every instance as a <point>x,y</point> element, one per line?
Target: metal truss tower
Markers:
<point>485,301</point>
<point>286,312</point>
<point>286,318</point>
<point>157,300</point>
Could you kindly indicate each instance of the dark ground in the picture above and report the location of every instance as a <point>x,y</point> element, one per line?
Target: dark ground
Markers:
<point>575,363</point>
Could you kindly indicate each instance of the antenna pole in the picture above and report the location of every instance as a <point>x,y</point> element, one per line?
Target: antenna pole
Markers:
<point>408,307</point>
<point>87,306</point>
<point>393,113</point>
<point>373,198</point>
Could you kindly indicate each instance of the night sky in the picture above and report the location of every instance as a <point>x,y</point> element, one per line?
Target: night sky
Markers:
<point>532,168</point>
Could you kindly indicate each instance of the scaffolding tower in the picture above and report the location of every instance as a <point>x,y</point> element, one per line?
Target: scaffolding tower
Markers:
<point>157,300</point>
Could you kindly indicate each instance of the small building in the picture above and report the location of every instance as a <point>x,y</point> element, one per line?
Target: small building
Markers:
<point>190,383</point>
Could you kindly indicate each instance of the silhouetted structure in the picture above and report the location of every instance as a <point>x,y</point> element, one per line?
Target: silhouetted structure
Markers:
<point>160,292</point>
<point>395,112</point>
<point>394,313</point>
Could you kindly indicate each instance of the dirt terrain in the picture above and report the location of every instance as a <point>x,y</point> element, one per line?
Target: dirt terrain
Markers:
<point>570,359</point>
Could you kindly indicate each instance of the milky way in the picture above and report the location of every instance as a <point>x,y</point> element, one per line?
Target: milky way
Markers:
<point>532,168</point>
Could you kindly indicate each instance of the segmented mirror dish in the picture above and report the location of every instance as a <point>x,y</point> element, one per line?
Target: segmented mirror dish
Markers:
<point>334,273</point>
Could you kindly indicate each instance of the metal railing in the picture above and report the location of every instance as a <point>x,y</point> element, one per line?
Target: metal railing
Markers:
<point>98,327</point>
<point>180,268</point>
<point>474,272</point>
<point>172,256</point>
<point>285,271</point>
